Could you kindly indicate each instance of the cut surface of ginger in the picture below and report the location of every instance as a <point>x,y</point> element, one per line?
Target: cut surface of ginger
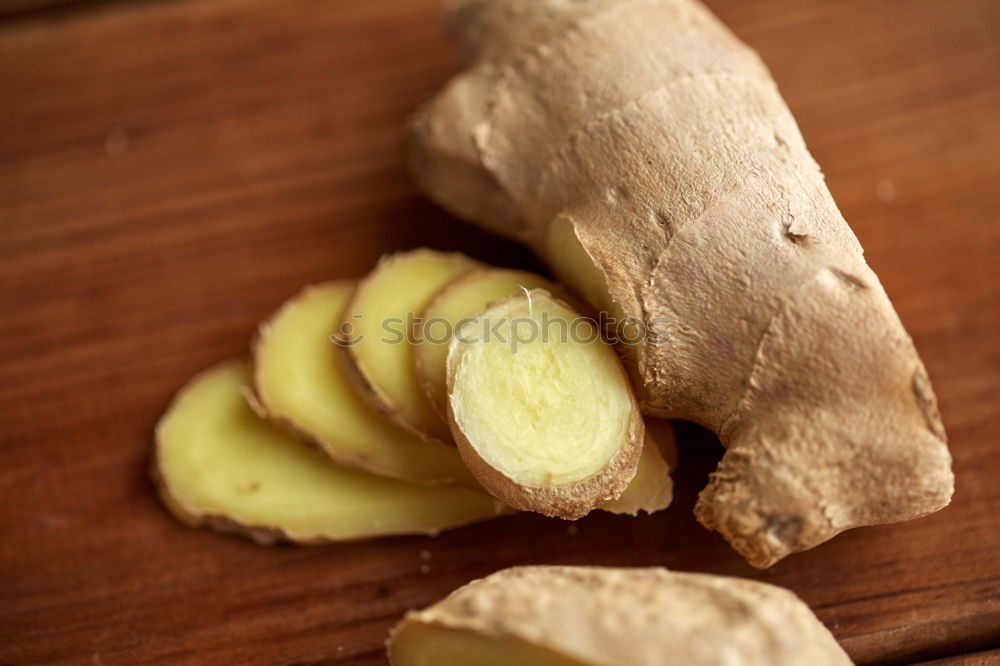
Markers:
<point>300,379</point>
<point>382,313</point>
<point>573,266</point>
<point>463,298</point>
<point>219,465</point>
<point>541,408</point>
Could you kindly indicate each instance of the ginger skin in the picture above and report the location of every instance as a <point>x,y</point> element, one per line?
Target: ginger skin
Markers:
<point>646,154</point>
<point>603,616</point>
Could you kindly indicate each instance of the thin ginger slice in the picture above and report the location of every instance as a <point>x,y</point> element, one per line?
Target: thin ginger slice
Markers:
<point>466,297</point>
<point>380,317</point>
<point>220,465</point>
<point>461,299</point>
<point>300,380</point>
<point>652,488</point>
<point>541,408</point>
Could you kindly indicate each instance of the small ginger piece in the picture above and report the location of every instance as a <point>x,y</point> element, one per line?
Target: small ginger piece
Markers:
<point>300,380</point>
<point>596,616</point>
<point>461,299</point>
<point>379,323</point>
<point>219,465</point>
<point>541,408</point>
<point>652,488</point>
<point>646,154</point>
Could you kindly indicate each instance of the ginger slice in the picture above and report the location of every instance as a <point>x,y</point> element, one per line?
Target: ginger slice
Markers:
<point>598,616</point>
<point>463,298</point>
<point>541,408</point>
<point>651,489</point>
<point>380,317</point>
<point>219,465</point>
<point>300,380</point>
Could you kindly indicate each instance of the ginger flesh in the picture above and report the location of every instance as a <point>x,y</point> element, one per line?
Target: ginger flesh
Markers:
<point>650,490</point>
<point>219,465</point>
<point>529,410</point>
<point>595,616</point>
<point>541,408</point>
<point>380,316</point>
<point>300,380</point>
<point>645,153</point>
<point>573,266</point>
<point>463,298</point>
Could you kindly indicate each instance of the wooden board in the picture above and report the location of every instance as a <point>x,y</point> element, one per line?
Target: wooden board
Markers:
<point>171,171</point>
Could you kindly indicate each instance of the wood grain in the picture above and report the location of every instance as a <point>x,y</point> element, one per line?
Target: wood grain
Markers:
<point>976,659</point>
<point>171,171</point>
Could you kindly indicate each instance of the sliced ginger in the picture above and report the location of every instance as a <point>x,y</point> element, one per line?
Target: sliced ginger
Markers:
<point>463,298</point>
<point>651,489</point>
<point>382,313</point>
<point>596,616</point>
<point>219,465</point>
<point>541,409</point>
<point>300,380</point>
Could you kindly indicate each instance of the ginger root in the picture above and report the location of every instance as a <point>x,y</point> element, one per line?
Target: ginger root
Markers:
<point>541,408</point>
<point>219,465</point>
<point>645,153</point>
<point>300,380</point>
<point>594,616</point>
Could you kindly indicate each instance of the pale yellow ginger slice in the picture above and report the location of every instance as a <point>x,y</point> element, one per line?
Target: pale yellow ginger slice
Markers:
<point>594,616</point>
<point>220,465</point>
<point>646,154</point>
<point>652,488</point>
<point>380,319</point>
<point>300,380</point>
<point>459,300</point>
<point>541,408</point>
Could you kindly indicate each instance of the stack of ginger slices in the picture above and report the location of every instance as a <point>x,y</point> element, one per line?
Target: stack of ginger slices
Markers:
<point>434,393</point>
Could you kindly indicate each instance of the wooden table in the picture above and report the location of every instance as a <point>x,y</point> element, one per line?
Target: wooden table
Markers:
<point>170,171</point>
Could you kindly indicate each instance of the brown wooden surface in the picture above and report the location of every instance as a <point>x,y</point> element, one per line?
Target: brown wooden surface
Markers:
<point>171,171</point>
